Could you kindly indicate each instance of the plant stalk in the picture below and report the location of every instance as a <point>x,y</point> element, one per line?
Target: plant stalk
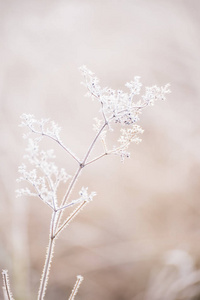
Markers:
<point>56,217</point>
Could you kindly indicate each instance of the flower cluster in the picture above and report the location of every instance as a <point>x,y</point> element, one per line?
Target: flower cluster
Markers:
<point>45,176</point>
<point>129,135</point>
<point>85,196</point>
<point>119,106</point>
<point>40,126</point>
<point>122,107</point>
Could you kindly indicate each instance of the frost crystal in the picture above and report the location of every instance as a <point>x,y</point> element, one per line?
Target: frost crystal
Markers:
<point>45,176</point>
<point>129,135</point>
<point>121,107</point>
<point>41,126</point>
<point>85,196</point>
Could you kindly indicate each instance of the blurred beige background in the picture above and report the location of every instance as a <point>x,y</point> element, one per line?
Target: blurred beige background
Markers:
<point>145,207</point>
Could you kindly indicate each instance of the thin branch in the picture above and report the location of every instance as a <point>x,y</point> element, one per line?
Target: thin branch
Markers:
<point>98,97</point>
<point>67,150</point>
<point>72,184</point>
<point>68,193</point>
<point>52,230</point>
<point>39,194</point>
<point>94,141</point>
<point>69,204</point>
<point>55,140</point>
<point>104,116</point>
<point>49,256</point>
<point>70,218</point>
<point>82,165</point>
<point>57,217</point>
<point>53,189</point>
<point>45,274</point>
<point>97,158</point>
<point>6,285</point>
<point>76,287</point>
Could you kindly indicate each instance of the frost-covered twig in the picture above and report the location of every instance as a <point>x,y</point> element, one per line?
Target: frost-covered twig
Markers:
<point>85,198</point>
<point>70,218</point>
<point>39,127</point>
<point>121,108</point>
<point>76,287</point>
<point>6,286</point>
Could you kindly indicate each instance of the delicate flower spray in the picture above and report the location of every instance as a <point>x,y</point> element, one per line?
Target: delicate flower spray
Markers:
<point>45,177</point>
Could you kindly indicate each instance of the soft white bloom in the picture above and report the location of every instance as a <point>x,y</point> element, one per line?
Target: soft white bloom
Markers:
<point>85,196</point>
<point>122,153</point>
<point>43,127</point>
<point>134,86</point>
<point>45,176</point>
<point>122,107</point>
<point>118,106</point>
<point>97,125</point>
<point>129,135</point>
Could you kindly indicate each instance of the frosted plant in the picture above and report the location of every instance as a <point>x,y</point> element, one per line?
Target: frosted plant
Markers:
<point>44,177</point>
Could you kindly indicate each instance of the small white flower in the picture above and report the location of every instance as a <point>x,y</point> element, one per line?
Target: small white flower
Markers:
<point>118,106</point>
<point>45,176</point>
<point>85,196</point>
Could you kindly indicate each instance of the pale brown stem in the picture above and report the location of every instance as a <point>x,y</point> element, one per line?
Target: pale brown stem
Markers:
<point>57,141</point>
<point>76,287</point>
<point>96,158</point>
<point>49,256</point>
<point>6,286</point>
<point>70,218</point>
<point>56,217</point>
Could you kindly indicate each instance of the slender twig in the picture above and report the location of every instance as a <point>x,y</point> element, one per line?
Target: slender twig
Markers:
<point>70,218</point>
<point>72,183</point>
<point>98,97</point>
<point>94,141</point>
<point>67,194</point>
<point>55,230</point>
<point>69,204</point>
<point>49,256</point>
<point>76,287</point>
<point>39,194</point>
<point>96,158</point>
<point>45,274</point>
<point>67,150</point>
<point>53,189</point>
<point>55,140</point>
<point>82,165</point>
<point>6,285</point>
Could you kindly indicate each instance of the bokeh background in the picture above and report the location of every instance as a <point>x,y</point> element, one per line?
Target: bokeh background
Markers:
<point>140,237</point>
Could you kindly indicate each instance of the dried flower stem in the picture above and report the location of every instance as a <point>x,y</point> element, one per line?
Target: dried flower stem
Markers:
<point>70,218</point>
<point>93,143</point>
<point>45,274</point>
<point>82,165</point>
<point>6,286</point>
<point>55,140</point>
<point>97,158</point>
<point>56,217</point>
<point>117,107</point>
<point>49,256</point>
<point>76,287</point>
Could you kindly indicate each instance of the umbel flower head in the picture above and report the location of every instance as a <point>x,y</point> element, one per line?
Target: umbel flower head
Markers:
<point>119,106</point>
<point>122,107</point>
